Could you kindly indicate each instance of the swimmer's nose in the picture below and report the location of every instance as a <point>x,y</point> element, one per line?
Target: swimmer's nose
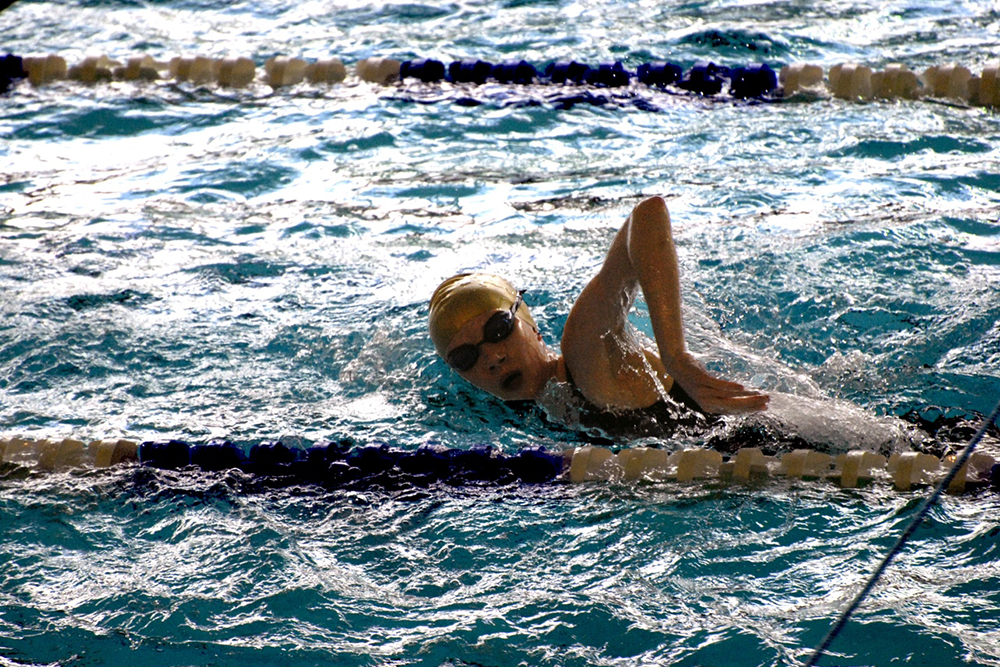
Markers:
<point>495,359</point>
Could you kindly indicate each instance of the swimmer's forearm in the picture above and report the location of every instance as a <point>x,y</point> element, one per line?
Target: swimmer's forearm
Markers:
<point>654,260</point>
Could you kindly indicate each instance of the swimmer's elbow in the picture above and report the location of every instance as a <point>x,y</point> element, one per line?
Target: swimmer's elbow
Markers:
<point>649,227</point>
<point>649,217</point>
<point>655,206</point>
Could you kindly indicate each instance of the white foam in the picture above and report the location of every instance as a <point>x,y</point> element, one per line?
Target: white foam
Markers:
<point>841,425</point>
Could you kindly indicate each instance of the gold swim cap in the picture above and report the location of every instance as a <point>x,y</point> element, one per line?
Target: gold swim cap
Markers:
<point>465,296</point>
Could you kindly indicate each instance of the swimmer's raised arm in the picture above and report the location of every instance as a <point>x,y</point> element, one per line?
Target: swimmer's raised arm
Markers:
<point>642,256</point>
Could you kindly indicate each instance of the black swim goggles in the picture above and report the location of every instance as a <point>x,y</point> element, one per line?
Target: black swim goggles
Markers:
<point>496,329</point>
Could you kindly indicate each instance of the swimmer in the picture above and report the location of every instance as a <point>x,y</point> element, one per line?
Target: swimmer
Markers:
<point>482,328</point>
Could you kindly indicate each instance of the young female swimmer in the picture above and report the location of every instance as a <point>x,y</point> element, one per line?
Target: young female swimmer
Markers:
<point>480,325</point>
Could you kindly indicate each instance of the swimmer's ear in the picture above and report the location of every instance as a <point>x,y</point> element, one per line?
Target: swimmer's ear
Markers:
<point>534,327</point>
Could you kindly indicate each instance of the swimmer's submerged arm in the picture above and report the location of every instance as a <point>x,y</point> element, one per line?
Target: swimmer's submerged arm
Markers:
<point>651,259</point>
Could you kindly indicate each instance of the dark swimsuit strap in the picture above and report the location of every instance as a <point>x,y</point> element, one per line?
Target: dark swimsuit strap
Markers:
<point>676,393</point>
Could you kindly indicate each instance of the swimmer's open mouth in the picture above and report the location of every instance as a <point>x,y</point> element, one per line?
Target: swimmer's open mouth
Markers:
<point>512,381</point>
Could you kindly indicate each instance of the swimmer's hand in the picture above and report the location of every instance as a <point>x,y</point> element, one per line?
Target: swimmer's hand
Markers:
<point>714,395</point>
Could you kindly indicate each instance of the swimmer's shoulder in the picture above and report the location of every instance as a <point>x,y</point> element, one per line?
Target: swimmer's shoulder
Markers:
<point>617,374</point>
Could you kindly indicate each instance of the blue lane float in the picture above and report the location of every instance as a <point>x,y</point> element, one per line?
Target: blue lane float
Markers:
<point>11,70</point>
<point>609,75</point>
<point>705,78</point>
<point>659,74</point>
<point>753,81</point>
<point>470,71</point>
<point>521,73</point>
<point>567,73</point>
<point>424,69</point>
<point>339,464</point>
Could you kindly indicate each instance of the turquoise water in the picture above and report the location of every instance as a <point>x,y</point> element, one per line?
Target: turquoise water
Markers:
<point>181,262</point>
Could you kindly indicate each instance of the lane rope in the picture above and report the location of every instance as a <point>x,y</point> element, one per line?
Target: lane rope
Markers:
<point>333,463</point>
<point>756,81</point>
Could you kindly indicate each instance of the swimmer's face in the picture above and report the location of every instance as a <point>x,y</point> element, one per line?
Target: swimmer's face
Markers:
<point>513,369</point>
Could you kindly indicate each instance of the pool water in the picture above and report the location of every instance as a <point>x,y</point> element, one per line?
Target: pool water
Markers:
<point>195,263</point>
